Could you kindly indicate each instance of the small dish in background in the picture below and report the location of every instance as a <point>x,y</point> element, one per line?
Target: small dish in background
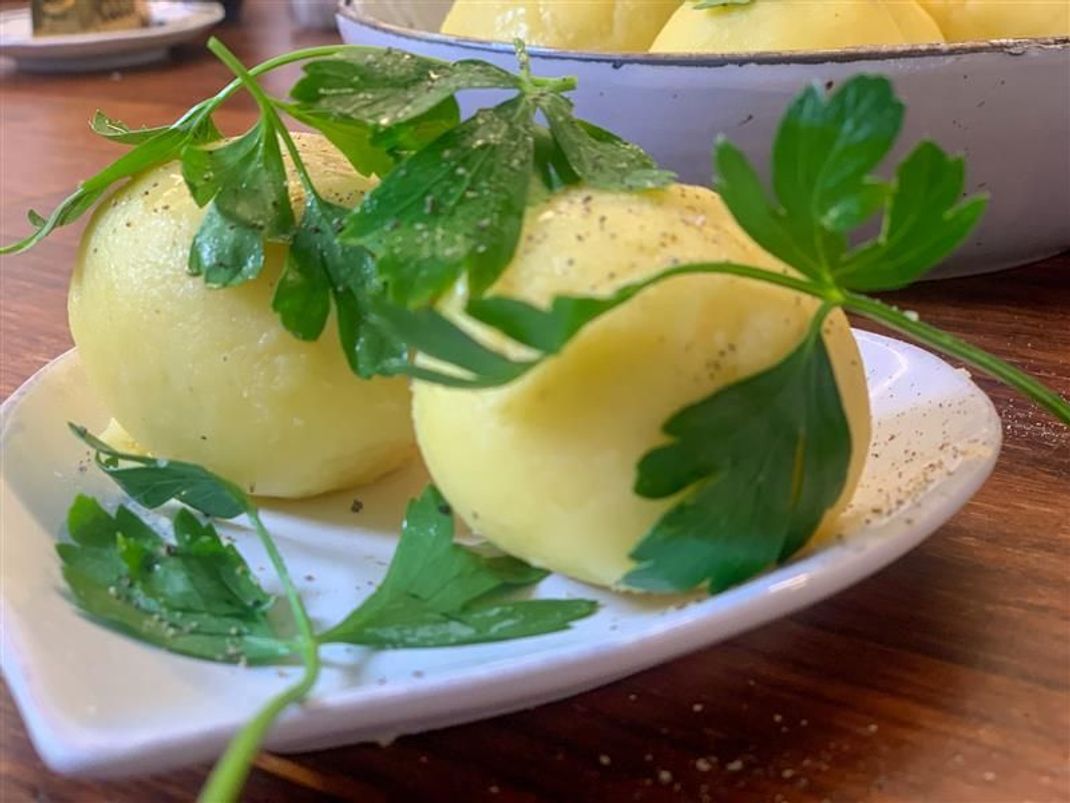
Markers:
<point>171,22</point>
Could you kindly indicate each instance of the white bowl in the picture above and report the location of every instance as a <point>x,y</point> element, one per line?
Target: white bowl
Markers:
<point>1004,104</point>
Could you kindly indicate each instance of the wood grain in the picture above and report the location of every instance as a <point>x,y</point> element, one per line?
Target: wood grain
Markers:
<point>944,678</point>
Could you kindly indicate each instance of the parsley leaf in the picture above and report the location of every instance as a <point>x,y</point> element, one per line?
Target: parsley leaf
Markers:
<point>117,131</point>
<point>379,106</point>
<point>383,88</point>
<point>761,461</point>
<point>353,139</point>
<point>925,221</point>
<point>437,593</point>
<point>436,336</point>
<point>319,267</point>
<point>303,295</point>
<point>160,147</point>
<point>457,205</point>
<point>225,252</point>
<point>195,596</point>
<point>151,482</point>
<point>246,177</point>
<point>824,151</point>
<point>599,157</point>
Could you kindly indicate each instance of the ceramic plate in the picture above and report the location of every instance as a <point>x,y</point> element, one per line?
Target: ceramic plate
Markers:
<point>97,702</point>
<point>172,22</point>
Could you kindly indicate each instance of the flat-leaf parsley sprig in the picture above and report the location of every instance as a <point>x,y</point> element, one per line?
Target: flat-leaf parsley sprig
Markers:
<point>195,595</point>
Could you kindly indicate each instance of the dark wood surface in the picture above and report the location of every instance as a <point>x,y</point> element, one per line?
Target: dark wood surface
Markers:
<point>946,677</point>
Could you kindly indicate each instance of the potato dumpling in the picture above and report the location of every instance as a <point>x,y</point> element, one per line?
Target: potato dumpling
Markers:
<point>544,467</point>
<point>978,20</point>
<point>619,26</point>
<point>211,376</point>
<point>765,25</point>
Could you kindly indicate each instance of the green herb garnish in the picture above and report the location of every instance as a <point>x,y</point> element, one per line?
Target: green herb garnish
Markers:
<point>823,155</point>
<point>437,594</point>
<point>195,595</point>
<point>454,207</point>
<point>746,508</point>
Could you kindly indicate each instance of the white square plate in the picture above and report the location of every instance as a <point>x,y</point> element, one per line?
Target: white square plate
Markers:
<point>99,703</point>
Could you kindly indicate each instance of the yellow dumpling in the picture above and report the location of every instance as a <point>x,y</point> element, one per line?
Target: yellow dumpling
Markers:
<point>544,467</point>
<point>211,376</point>
<point>978,20</point>
<point>603,25</point>
<point>771,25</point>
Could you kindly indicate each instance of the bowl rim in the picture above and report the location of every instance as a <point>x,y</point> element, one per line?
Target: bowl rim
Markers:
<point>1009,47</point>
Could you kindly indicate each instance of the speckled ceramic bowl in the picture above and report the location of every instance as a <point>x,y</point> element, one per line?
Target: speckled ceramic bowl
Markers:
<point>1004,104</point>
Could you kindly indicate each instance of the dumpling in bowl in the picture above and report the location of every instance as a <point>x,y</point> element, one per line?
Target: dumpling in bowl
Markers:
<point>614,26</point>
<point>771,25</point>
<point>972,20</point>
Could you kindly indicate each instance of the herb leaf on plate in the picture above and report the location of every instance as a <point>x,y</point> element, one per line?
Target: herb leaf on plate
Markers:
<point>437,593</point>
<point>152,482</point>
<point>194,595</point>
<point>763,460</point>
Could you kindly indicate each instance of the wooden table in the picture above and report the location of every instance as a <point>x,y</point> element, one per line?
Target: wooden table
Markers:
<point>943,678</point>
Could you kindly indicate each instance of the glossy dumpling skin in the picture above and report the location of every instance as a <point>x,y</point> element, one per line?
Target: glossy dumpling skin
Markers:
<point>210,376</point>
<point>779,25</point>
<point>544,467</point>
<point>612,26</point>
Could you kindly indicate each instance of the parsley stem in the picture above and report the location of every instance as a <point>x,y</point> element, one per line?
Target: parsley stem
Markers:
<point>952,346</point>
<point>532,83</point>
<point>566,83</point>
<point>895,319</point>
<point>264,67</point>
<point>267,108</point>
<point>747,272</point>
<point>229,774</point>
